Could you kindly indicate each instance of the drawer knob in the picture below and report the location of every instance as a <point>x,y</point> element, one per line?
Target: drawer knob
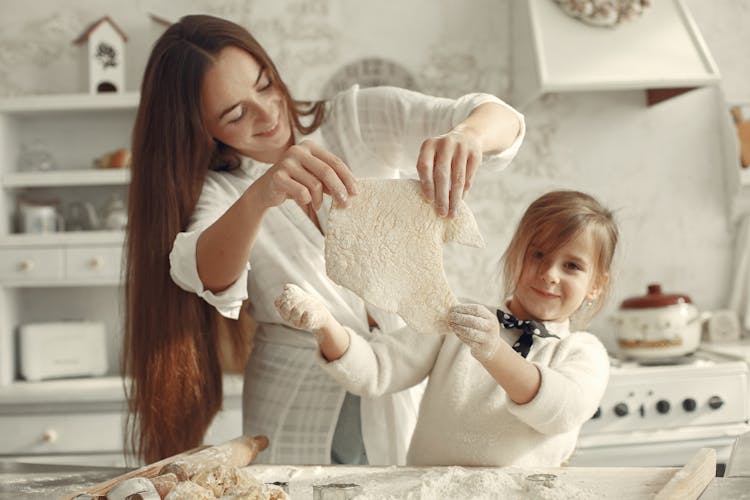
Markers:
<point>50,436</point>
<point>96,262</point>
<point>26,265</point>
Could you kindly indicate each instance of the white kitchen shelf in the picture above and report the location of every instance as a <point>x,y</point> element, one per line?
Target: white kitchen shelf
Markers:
<point>82,177</point>
<point>82,270</point>
<point>553,52</point>
<point>85,390</point>
<point>63,239</point>
<point>44,104</point>
<point>56,283</point>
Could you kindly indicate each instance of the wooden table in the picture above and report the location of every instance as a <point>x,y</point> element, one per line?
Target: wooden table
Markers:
<point>621,483</point>
<point>20,481</point>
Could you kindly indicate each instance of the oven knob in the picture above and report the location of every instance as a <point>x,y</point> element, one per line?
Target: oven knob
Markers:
<point>621,409</point>
<point>662,406</point>
<point>689,404</point>
<point>715,402</point>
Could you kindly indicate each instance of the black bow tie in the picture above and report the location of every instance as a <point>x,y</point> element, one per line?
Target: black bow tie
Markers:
<point>529,329</point>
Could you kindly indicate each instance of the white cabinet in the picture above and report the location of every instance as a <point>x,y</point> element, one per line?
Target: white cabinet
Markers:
<point>553,52</point>
<point>81,421</point>
<point>60,275</point>
<point>67,275</point>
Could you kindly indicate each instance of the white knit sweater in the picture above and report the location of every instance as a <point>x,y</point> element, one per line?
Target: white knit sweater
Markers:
<point>466,418</point>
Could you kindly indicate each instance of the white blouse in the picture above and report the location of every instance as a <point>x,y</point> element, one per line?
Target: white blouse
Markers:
<point>377,132</point>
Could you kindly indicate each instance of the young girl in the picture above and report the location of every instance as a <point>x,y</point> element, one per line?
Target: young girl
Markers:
<point>515,384</point>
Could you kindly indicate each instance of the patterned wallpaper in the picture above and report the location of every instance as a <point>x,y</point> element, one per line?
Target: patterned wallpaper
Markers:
<point>659,167</point>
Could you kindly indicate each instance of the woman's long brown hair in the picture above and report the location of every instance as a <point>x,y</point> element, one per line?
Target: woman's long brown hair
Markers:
<point>170,353</point>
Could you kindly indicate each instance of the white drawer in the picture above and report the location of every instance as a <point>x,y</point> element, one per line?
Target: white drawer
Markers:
<point>93,262</point>
<point>61,433</point>
<point>31,264</point>
<point>87,459</point>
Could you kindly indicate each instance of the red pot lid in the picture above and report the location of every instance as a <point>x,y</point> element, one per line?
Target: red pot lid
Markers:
<point>654,298</point>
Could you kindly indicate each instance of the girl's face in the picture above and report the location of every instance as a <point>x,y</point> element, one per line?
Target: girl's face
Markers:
<point>243,108</point>
<point>552,286</point>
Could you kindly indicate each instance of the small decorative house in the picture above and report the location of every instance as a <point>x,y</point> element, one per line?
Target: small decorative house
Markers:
<point>105,55</point>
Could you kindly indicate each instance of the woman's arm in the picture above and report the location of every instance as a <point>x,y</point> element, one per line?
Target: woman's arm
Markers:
<point>224,247</point>
<point>304,173</point>
<point>493,125</point>
<point>447,163</point>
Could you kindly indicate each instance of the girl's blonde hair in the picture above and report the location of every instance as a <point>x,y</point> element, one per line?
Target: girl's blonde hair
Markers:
<point>549,223</point>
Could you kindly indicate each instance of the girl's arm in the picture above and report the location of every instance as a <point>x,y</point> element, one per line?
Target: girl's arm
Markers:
<point>477,327</point>
<point>552,399</point>
<point>388,363</point>
<point>520,378</point>
<point>305,312</point>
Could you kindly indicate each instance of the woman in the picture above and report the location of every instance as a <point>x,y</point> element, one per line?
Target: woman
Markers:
<point>228,200</point>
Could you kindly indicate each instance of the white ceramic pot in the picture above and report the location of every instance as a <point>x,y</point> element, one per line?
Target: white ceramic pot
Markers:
<point>658,326</point>
<point>39,217</point>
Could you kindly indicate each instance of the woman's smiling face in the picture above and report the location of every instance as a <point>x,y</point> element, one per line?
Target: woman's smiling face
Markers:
<point>553,285</point>
<point>244,108</point>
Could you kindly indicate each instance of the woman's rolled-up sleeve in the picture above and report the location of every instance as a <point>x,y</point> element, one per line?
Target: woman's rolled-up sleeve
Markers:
<point>183,268</point>
<point>394,122</point>
<point>490,161</point>
<point>219,192</point>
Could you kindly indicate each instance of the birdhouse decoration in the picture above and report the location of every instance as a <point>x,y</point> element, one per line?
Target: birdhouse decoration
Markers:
<point>104,55</point>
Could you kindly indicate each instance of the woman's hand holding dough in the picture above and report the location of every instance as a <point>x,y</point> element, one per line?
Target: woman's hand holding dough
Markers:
<point>446,167</point>
<point>476,327</point>
<point>304,173</point>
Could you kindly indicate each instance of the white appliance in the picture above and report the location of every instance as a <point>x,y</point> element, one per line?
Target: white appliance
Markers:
<point>660,415</point>
<point>62,349</point>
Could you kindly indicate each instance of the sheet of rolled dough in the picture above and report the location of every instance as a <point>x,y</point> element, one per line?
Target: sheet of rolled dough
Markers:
<point>387,247</point>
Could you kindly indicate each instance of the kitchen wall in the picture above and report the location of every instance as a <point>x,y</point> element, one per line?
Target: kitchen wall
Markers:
<point>661,168</point>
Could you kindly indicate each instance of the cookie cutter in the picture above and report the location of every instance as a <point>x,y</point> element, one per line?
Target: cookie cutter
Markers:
<point>336,491</point>
<point>545,480</point>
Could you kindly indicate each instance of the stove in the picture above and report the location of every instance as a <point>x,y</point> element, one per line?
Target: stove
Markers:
<point>660,415</point>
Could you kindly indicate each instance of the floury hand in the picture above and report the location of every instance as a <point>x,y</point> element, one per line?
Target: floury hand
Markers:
<point>302,310</point>
<point>476,327</point>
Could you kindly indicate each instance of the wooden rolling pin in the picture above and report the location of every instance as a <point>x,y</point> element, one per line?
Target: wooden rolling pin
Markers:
<point>239,452</point>
<point>689,482</point>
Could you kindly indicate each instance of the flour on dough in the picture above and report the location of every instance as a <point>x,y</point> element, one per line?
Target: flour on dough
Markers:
<point>186,490</point>
<point>387,247</point>
<point>228,482</point>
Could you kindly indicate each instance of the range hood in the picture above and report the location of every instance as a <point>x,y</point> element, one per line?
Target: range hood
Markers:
<point>661,51</point>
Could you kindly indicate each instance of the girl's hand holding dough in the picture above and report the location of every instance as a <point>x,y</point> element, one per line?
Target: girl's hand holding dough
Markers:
<point>476,327</point>
<point>302,310</point>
